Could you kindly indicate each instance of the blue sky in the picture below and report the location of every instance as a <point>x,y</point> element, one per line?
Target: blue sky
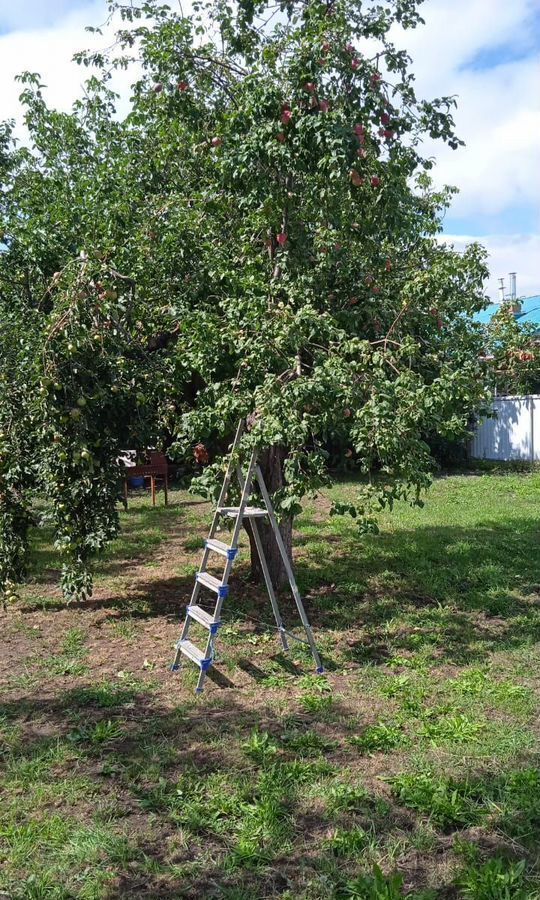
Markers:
<point>15,14</point>
<point>486,52</point>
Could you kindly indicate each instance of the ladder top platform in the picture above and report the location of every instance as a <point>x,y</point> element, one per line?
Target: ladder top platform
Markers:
<point>249,511</point>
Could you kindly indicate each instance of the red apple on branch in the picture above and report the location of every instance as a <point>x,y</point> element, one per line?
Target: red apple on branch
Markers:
<point>281,238</point>
<point>201,454</point>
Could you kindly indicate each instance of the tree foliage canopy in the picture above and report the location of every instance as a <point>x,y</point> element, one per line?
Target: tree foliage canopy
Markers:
<point>258,233</point>
<point>513,352</point>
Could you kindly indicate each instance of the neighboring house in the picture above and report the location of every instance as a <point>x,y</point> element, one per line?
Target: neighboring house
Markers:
<point>514,432</point>
<point>526,311</point>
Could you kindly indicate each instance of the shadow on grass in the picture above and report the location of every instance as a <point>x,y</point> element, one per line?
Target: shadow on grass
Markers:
<point>461,592</point>
<point>208,798</point>
<point>143,530</point>
<point>454,594</point>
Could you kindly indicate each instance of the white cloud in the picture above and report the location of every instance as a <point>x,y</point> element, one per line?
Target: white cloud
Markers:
<point>498,114</point>
<point>499,119</point>
<point>507,253</point>
<point>49,51</point>
<point>34,13</point>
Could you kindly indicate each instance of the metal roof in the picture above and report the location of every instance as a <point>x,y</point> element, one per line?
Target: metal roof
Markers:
<point>530,312</point>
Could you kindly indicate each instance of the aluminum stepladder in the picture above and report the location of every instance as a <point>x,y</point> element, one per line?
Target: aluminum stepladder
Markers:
<point>211,621</point>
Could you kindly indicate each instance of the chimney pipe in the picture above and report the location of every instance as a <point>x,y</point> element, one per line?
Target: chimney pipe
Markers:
<point>515,305</point>
<point>501,290</point>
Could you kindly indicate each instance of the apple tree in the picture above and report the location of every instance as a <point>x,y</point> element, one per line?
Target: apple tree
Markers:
<point>256,236</point>
<point>513,353</point>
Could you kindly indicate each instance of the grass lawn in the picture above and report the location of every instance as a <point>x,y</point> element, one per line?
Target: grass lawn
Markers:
<point>410,769</point>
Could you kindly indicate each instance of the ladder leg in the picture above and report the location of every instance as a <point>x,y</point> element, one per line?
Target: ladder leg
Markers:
<point>266,574</point>
<point>289,570</point>
<point>178,655</point>
<point>200,682</point>
<point>269,586</point>
<point>209,652</point>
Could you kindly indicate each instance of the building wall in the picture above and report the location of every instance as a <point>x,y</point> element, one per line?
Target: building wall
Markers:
<point>513,434</point>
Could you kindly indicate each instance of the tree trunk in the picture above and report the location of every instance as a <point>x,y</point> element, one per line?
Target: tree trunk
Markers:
<point>271,463</point>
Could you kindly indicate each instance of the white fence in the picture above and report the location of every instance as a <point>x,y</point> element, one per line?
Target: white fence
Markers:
<point>513,434</point>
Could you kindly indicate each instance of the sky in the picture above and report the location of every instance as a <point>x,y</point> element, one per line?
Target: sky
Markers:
<point>486,52</point>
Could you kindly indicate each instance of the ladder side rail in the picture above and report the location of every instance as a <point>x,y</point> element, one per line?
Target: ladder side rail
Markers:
<point>204,561</point>
<point>222,496</point>
<point>288,569</point>
<point>226,482</point>
<point>266,574</point>
<point>209,650</point>
<point>246,490</point>
<point>183,636</point>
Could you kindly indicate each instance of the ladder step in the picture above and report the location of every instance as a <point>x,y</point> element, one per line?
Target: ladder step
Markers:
<point>214,584</point>
<point>220,547</point>
<point>203,618</point>
<point>193,653</point>
<point>249,511</point>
